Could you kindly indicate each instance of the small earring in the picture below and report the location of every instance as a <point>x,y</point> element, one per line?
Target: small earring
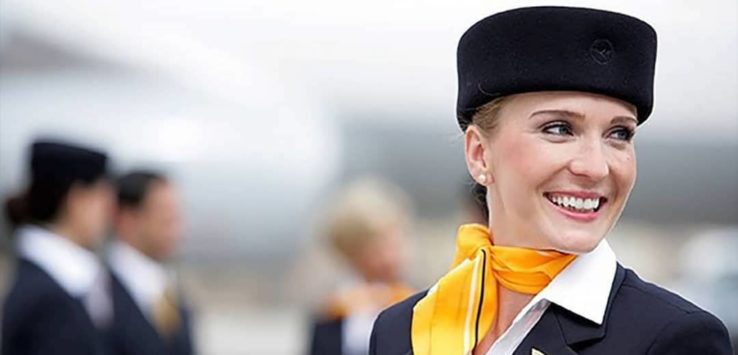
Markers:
<point>482,179</point>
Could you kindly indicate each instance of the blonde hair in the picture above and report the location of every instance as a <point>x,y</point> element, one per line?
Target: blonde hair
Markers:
<point>362,212</point>
<point>487,116</point>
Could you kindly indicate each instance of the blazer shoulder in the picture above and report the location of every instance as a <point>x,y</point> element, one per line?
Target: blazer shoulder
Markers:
<point>693,333</point>
<point>391,333</point>
<point>677,325</point>
<point>32,292</point>
<point>656,299</point>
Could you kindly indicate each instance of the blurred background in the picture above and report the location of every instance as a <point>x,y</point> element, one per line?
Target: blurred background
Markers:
<point>259,110</point>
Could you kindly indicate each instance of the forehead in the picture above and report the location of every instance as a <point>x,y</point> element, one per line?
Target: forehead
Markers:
<point>159,191</point>
<point>582,103</point>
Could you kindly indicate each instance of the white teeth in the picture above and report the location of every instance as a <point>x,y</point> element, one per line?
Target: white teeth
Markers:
<point>586,204</point>
<point>578,203</point>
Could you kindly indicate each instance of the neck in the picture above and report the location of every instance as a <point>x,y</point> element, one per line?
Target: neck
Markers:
<point>67,232</point>
<point>510,303</point>
<point>131,241</point>
<point>504,234</point>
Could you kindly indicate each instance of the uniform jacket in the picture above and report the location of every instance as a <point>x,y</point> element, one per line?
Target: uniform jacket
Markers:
<point>641,318</point>
<point>40,317</point>
<point>131,333</point>
<point>327,337</point>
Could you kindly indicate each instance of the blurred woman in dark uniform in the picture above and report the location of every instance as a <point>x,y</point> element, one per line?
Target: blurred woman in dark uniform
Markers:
<point>549,101</point>
<point>57,303</point>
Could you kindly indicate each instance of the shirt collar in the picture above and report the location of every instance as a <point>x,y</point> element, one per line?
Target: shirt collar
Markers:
<point>71,266</point>
<point>144,278</point>
<point>584,286</point>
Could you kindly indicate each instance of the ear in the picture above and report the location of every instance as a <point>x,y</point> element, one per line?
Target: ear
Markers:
<point>475,151</point>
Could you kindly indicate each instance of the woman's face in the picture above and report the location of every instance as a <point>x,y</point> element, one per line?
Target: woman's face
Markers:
<point>88,212</point>
<point>382,259</point>
<point>559,168</point>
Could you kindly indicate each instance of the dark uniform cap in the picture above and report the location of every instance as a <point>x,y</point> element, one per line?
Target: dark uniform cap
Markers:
<point>66,162</point>
<point>556,48</point>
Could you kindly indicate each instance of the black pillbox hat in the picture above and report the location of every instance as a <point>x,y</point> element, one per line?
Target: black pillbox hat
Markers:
<point>64,162</point>
<point>556,48</point>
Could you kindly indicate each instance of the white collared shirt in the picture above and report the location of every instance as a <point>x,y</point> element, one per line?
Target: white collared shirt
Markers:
<point>356,332</point>
<point>145,279</point>
<point>357,326</point>
<point>76,269</point>
<point>583,287</point>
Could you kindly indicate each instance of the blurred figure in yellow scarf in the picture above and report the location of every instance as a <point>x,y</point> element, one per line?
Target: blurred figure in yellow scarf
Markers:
<point>367,227</point>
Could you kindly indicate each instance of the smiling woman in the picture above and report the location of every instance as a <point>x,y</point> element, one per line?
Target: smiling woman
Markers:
<point>559,167</point>
<point>549,101</point>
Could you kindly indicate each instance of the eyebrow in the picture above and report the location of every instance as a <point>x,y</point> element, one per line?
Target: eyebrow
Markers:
<point>624,119</point>
<point>566,113</point>
<point>579,116</point>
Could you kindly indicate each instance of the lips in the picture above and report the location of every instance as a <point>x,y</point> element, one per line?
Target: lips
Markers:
<point>577,205</point>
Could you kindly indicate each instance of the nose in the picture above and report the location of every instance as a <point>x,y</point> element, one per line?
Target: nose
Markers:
<point>591,161</point>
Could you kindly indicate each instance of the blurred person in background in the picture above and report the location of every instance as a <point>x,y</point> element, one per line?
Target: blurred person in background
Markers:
<point>549,101</point>
<point>367,227</point>
<point>150,316</point>
<point>57,303</point>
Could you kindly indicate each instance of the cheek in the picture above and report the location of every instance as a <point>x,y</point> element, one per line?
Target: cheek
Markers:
<point>88,210</point>
<point>524,162</point>
<point>169,232</point>
<point>96,203</point>
<point>624,170</point>
<point>149,227</point>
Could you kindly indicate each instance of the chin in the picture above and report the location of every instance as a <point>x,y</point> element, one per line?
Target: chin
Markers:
<point>576,241</point>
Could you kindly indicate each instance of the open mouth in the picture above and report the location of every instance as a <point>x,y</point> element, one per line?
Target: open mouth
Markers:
<point>584,205</point>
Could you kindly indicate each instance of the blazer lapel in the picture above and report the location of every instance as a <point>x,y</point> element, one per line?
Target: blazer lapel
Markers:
<point>131,325</point>
<point>560,331</point>
<point>546,337</point>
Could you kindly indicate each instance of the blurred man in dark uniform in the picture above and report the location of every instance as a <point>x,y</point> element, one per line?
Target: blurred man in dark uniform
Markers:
<point>150,316</point>
<point>58,300</point>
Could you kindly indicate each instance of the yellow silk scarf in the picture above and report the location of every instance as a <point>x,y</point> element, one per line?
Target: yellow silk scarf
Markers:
<point>460,308</point>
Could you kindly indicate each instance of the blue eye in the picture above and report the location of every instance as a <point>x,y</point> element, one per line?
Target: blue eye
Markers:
<point>558,128</point>
<point>622,133</point>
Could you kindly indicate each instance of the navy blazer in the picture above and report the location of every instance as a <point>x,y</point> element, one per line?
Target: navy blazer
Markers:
<point>641,318</point>
<point>327,337</point>
<point>40,317</point>
<point>131,333</point>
